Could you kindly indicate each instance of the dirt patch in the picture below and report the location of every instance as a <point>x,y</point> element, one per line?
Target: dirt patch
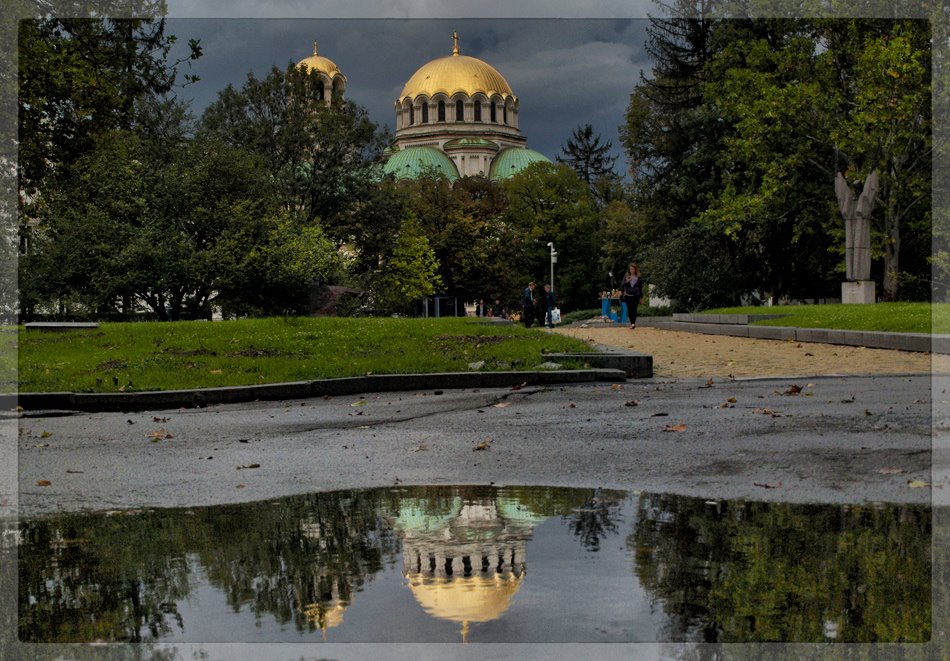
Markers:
<point>679,354</point>
<point>189,353</point>
<point>111,365</point>
<point>477,339</point>
<point>256,353</point>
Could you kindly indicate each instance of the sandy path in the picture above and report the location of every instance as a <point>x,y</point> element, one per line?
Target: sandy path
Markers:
<point>681,354</point>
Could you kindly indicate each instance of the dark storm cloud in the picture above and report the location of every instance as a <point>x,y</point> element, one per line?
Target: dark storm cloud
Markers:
<point>565,72</point>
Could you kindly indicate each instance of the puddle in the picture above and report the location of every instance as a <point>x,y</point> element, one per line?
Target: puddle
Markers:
<point>480,564</point>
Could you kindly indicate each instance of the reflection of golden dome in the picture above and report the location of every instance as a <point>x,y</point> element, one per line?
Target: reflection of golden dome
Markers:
<point>320,64</point>
<point>325,617</point>
<point>456,73</point>
<point>463,600</point>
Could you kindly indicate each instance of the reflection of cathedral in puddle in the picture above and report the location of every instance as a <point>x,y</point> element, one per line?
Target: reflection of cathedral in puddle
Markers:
<point>464,557</point>
<point>327,612</point>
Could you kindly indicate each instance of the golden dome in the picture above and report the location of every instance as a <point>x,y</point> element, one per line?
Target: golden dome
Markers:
<point>469,599</point>
<point>456,73</point>
<point>320,64</point>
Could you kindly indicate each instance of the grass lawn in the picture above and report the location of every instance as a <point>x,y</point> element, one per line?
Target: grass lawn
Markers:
<point>164,356</point>
<point>891,317</point>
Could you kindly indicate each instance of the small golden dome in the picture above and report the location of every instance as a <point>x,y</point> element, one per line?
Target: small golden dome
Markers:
<point>456,73</point>
<point>317,62</point>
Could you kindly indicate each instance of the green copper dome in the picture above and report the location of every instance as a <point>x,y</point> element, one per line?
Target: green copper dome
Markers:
<point>411,162</point>
<point>513,160</point>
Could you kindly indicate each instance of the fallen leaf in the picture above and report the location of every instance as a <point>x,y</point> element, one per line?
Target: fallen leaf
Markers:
<point>632,402</point>
<point>659,415</point>
<point>131,422</point>
<point>891,471</point>
<point>793,390</point>
<point>726,405</point>
<point>482,445</point>
<point>69,470</point>
<point>249,466</point>
<point>709,383</point>
<point>765,485</point>
<point>502,405</point>
<point>159,434</point>
<point>810,354</point>
<point>240,486</point>
<point>916,484</point>
<point>519,387</point>
<point>46,434</point>
<point>43,483</point>
<point>19,409</point>
<point>675,428</point>
<point>361,402</point>
<point>422,447</point>
<point>572,405</point>
<point>867,412</point>
<point>615,386</point>
<point>767,412</point>
<point>215,371</point>
<point>157,419</point>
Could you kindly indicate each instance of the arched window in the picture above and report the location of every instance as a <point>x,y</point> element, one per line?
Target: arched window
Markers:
<point>459,111</point>
<point>412,115</point>
<point>478,111</point>
<point>504,114</point>
<point>425,112</point>
<point>320,91</point>
<point>494,117</point>
<point>441,111</point>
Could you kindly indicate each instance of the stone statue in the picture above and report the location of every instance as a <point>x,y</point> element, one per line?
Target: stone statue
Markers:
<point>856,206</point>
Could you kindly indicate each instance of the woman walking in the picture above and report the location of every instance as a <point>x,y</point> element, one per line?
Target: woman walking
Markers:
<point>632,288</point>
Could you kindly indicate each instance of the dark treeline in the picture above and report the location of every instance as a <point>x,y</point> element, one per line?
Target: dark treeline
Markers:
<point>131,205</point>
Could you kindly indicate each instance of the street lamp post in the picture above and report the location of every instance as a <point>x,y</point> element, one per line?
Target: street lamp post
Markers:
<point>553,262</point>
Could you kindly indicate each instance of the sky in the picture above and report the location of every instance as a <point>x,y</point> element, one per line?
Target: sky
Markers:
<point>565,72</point>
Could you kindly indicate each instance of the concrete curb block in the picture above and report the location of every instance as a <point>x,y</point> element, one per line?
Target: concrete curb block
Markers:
<point>740,319</point>
<point>917,342</point>
<point>635,365</point>
<point>156,400</point>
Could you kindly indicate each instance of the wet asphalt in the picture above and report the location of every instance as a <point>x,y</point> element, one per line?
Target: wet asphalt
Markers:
<point>827,440</point>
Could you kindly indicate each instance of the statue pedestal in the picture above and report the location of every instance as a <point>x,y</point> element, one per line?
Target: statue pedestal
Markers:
<point>859,292</point>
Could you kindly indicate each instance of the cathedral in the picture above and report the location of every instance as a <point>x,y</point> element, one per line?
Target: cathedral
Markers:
<point>456,114</point>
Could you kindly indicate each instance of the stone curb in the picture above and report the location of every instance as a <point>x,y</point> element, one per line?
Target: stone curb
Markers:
<point>918,342</point>
<point>165,399</point>
<point>635,365</point>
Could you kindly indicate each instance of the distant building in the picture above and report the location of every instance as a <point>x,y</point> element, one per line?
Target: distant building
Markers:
<point>459,115</point>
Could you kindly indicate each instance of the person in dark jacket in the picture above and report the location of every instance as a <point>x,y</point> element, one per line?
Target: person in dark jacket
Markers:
<point>632,292</point>
<point>547,303</point>
<point>527,312</point>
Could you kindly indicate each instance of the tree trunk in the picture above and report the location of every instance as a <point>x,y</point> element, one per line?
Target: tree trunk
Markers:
<point>892,245</point>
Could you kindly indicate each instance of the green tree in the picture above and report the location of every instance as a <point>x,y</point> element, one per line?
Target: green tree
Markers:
<point>548,203</point>
<point>321,155</point>
<point>80,77</point>
<point>889,129</point>
<point>466,227</point>
<point>779,155</point>
<point>410,271</point>
<point>774,206</point>
<point>593,163</point>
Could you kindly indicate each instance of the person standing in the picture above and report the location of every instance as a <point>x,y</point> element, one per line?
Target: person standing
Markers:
<point>527,313</point>
<point>480,309</point>
<point>632,292</point>
<point>547,305</point>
